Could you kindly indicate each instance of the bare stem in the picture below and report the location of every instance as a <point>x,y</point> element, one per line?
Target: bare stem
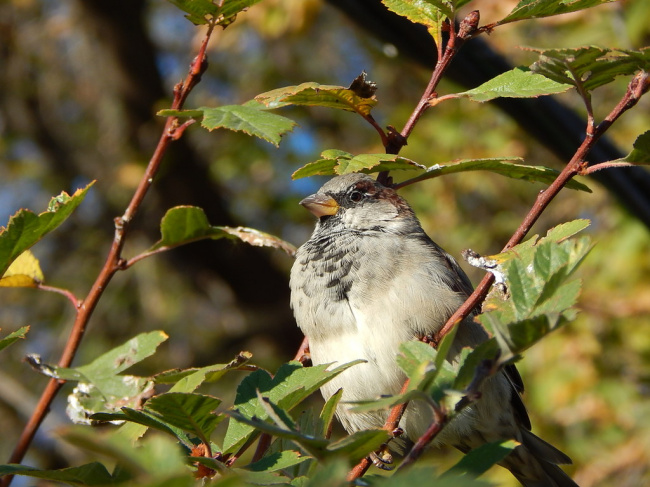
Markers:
<point>114,261</point>
<point>76,302</point>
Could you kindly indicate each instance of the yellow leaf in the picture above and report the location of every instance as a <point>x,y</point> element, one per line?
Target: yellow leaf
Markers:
<point>25,271</point>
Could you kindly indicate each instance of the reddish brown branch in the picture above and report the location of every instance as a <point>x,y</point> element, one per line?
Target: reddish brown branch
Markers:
<point>637,87</point>
<point>114,260</point>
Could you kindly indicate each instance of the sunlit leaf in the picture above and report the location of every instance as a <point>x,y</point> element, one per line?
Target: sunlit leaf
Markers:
<point>641,152</point>
<point>589,67</point>
<point>336,162</point>
<point>529,9</point>
<point>502,166</point>
<point>426,12</point>
<point>185,224</point>
<point>25,271</point>
<point>291,385</point>
<point>26,228</point>
<point>317,95</point>
<point>516,83</point>
<point>187,380</point>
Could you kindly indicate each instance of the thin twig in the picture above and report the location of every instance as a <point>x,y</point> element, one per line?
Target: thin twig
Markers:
<point>76,302</point>
<point>114,261</point>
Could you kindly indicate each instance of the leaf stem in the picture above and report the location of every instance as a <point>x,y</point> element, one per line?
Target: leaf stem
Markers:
<point>114,261</point>
<point>76,302</point>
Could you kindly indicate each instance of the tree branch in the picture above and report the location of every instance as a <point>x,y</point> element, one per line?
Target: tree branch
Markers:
<point>114,261</point>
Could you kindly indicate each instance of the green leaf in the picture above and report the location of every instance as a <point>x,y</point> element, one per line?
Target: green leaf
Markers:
<point>488,350</point>
<point>251,119</point>
<point>335,162</point>
<point>189,379</point>
<point>426,12</point>
<point>122,357</point>
<point>26,228</point>
<point>203,11</point>
<point>146,418</point>
<point>316,95</point>
<point>641,152</point>
<point>539,300</point>
<point>186,224</point>
<point>516,83</point>
<point>530,9</point>
<point>327,414</point>
<point>158,457</point>
<point>501,166</point>
<point>481,459</point>
<point>358,445</point>
<point>100,387</point>
<point>277,461</point>
<point>90,474</point>
<point>190,412</point>
<point>290,386</point>
<point>589,67</point>
<point>13,337</point>
<point>262,124</point>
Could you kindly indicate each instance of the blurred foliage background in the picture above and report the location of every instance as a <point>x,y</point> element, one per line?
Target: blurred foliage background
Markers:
<point>79,86</point>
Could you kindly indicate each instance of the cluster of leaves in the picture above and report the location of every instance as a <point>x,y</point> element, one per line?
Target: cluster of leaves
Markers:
<point>533,299</point>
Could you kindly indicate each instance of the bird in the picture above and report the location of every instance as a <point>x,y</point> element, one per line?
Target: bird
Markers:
<point>368,279</point>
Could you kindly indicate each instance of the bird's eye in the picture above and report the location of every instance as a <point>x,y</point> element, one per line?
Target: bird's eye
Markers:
<point>356,196</point>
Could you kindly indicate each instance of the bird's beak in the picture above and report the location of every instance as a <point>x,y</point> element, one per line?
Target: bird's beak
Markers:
<point>320,205</point>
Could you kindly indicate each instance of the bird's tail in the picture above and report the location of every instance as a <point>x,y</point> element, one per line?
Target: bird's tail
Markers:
<point>535,463</point>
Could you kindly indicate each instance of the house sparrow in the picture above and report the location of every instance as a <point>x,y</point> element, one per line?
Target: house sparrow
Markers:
<point>368,279</point>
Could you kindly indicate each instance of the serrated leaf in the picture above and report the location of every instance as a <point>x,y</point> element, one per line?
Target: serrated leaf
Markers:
<point>290,386</point>
<point>203,11</point>
<point>90,474</point>
<point>240,118</point>
<point>641,152</point>
<point>335,162</point>
<point>481,459</point>
<point>589,67</point>
<point>26,228</point>
<point>14,337</point>
<point>516,83</point>
<point>316,95</point>
<point>565,230</point>
<point>122,357</point>
<point>426,12</point>
<point>499,165</point>
<point>530,9</point>
<point>185,224</point>
<point>25,271</point>
<point>190,412</point>
<point>369,163</point>
<point>189,379</point>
